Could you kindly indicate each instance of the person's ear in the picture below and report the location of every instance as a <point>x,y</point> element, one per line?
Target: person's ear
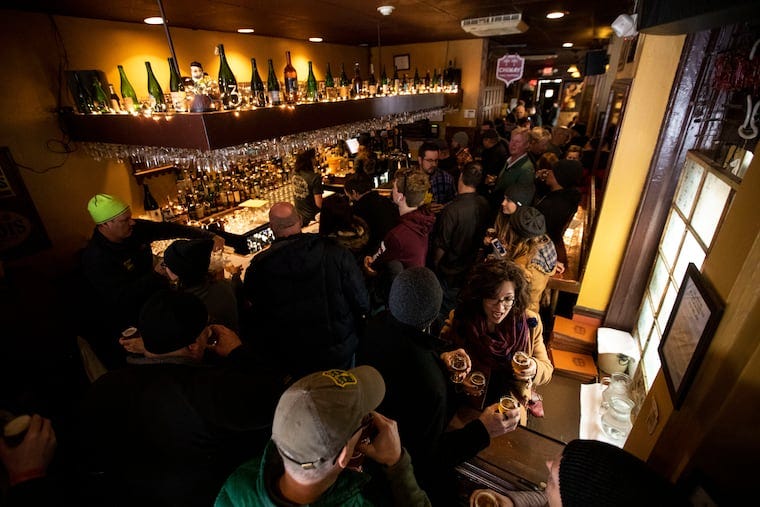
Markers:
<point>344,457</point>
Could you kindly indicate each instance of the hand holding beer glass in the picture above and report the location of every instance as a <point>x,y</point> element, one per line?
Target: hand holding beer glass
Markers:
<point>523,366</point>
<point>458,364</point>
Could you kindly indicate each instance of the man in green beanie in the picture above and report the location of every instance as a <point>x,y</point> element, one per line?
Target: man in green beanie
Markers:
<point>119,270</point>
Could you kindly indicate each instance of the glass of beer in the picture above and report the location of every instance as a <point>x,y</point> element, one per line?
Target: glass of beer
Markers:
<point>458,366</point>
<point>507,403</point>
<point>478,383</point>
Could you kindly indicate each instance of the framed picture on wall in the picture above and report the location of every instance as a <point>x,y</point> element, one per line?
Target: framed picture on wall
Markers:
<point>401,61</point>
<point>21,230</point>
<point>695,316</point>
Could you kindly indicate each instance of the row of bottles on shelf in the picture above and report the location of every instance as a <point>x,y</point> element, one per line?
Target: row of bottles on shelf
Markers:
<point>200,93</point>
<point>202,191</point>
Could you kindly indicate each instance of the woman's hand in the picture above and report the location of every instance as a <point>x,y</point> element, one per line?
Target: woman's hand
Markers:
<point>450,359</point>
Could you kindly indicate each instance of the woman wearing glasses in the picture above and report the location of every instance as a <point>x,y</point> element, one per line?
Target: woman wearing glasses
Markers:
<point>492,323</point>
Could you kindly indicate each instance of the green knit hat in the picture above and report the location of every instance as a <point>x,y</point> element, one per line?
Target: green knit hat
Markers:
<point>104,207</point>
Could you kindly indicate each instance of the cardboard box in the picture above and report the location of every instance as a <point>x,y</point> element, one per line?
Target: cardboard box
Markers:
<point>574,336</point>
<point>574,365</point>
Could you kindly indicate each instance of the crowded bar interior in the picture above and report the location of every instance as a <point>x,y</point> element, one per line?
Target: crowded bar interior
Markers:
<point>373,190</point>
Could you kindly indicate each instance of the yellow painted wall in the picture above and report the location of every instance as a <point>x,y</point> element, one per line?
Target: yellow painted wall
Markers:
<point>466,54</point>
<point>644,114</point>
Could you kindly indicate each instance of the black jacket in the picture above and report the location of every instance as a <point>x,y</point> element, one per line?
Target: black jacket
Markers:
<point>380,214</point>
<point>306,302</point>
<point>417,396</point>
<point>170,433</point>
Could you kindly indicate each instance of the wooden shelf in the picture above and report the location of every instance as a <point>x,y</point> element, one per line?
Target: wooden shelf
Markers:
<point>141,174</point>
<point>220,129</point>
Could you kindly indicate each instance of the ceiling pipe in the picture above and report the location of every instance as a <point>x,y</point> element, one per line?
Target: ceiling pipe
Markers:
<point>168,36</point>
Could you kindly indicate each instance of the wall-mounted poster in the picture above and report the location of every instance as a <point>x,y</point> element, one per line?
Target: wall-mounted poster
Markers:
<point>21,230</point>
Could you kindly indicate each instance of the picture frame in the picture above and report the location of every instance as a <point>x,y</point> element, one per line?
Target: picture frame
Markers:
<point>696,313</point>
<point>401,62</point>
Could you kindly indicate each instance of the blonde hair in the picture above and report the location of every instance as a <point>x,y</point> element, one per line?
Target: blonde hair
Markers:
<point>413,184</point>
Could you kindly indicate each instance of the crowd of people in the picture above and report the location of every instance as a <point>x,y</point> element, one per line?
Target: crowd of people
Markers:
<point>327,372</point>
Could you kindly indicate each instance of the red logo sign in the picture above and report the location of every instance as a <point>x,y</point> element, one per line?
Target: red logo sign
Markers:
<point>509,68</point>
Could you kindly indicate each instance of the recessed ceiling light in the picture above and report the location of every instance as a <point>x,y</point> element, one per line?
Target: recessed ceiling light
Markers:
<point>245,30</point>
<point>315,39</point>
<point>154,20</point>
<point>555,14</point>
<point>567,44</point>
<point>385,10</point>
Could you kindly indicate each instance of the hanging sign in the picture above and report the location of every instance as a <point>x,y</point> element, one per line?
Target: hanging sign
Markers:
<point>509,68</point>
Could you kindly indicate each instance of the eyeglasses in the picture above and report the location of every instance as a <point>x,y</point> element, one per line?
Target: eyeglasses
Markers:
<point>506,300</point>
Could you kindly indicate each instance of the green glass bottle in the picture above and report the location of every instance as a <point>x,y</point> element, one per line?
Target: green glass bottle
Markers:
<point>273,86</point>
<point>227,82</point>
<point>384,81</point>
<point>291,81</point>
<point>416,80</point>
<point>311,85</point>
<point>372,82</point>
<point>257,86</point>
<point>127,92</point>
<point>357,87</point>
<point>175,82</point>
<point>396,81</point>
<point>157,102</point>
<point>101,99</point>
<point>345,84</point>
<point>83,97</point>
<point>329,84</point>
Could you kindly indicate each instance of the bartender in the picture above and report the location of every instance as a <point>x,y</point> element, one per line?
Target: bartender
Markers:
<point>118,266</point>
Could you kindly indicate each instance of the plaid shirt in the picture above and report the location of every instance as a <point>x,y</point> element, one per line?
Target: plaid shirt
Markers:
<point>546,257</point>
<point>442,186</point>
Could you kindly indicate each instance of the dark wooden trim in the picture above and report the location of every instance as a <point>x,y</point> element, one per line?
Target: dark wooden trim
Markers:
<point>677,136</point>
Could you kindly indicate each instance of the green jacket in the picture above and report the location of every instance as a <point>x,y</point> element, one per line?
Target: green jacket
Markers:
<point>521,172</point>
<point>249,485</point>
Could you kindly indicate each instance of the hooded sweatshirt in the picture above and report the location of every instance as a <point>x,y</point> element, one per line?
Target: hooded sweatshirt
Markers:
<point>408,241</point>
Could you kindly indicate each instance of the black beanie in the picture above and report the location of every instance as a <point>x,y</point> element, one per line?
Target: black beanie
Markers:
<point>598,474</point>
<point>522,195</point>
<point>189,259</point>
<point>170,320</point>
<point>415,297</point>
<point>527,222</point>
<point>568,173</point>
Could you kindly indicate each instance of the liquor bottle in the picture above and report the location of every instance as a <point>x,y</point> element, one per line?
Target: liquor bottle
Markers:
<point>227,82</point>
<point>416,82</point>
<point>372,83</point>
<point>273,86</point>
<point>127,92</point>
<point>291,81</point>
<point>115,104</point>
<point>329,84</point>
<point>356,84</point>
<point>427,80</point>
<point>345,84</point>
<point>154,90</point>
<point>101,99</point>
<point>83,98</point>
<point>384,81</point>
<point>150,205</point>
<point>257,86</point>
<point>176,87</point>
<point>396,81</point>
<point>311,85</point>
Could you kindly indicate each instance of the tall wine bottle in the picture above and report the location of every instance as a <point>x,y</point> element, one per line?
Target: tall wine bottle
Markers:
<point>427,80</point>
<point>345,84</point>
<point>330,84</point>
<point>311,85</point>
<point>176,87</point>
<point>150,205</point>
<point>83,97</point>
<point>384,81</point>
<point>227,82</point>
<point>356,84</point>
<point>115,103</point>
<point>291,81</point>
<point>396,81</point>
<point>416,82</point>
<point>101,99</point>
<point>127,92</point>
<point>154,90</point>
<point>273,86</point>
<point>257,86</point>
<point>372,83</point>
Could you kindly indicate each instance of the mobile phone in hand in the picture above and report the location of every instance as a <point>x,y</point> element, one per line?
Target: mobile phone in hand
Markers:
<point>498,247</point>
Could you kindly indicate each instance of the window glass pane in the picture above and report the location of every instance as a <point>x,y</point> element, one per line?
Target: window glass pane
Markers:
<point>671,238</point>
<point>712,200</point>
<point>691,251</point>
<point>646,319</point>
<point>690,178</point>
<point>667,306</point>
<point>651,361</point>
<point>658,282</point>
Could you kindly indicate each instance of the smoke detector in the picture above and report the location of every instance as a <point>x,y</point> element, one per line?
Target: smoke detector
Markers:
<point>386,10</point>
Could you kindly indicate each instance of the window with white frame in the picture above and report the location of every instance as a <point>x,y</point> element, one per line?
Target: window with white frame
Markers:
<point>702,198</point>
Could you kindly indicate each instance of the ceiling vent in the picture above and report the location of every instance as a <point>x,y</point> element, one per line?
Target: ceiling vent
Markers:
<point>504,24</point>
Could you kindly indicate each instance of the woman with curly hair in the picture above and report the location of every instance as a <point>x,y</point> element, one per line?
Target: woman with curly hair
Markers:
<point>492,323</point>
